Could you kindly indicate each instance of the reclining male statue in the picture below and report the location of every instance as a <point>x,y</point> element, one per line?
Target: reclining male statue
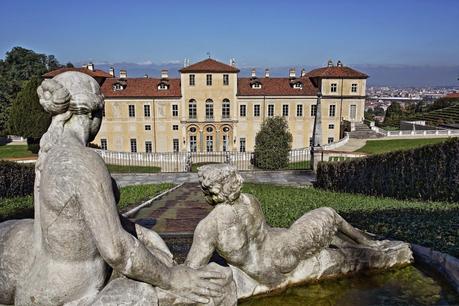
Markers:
<point>319,244</point>
<point>65,256</point>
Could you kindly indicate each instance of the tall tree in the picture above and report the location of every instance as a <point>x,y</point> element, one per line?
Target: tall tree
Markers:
<point>27,117</point>
<point>394,114</point>
<point>19,66</point>
<point>272,144</point>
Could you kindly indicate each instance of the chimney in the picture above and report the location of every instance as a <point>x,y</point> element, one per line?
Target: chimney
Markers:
<point>145,76</point>
<point>123,74</point>
<point>292,73</point>
<point>164,74</point>
<point>254,73</point>
<point>339,64</point>
<point>303,72</point>
<point>112,71</point>
<point>90,66</point>
<point>266,73</point>
<point>233,62</point>
<point>330,63</point>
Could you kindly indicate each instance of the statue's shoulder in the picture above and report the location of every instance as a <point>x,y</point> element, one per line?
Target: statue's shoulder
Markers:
<point>78,158</point>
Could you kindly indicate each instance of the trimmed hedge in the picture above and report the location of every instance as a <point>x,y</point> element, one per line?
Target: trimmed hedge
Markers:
<point>16,179</point>
<point>428,173</point>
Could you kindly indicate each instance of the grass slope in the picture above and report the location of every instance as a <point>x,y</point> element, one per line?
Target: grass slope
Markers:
<point>432,224</point>
<point>15,151</point>
<point>389,145</point>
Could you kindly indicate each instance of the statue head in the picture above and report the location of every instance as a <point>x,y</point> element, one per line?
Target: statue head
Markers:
<point>73,93</point>
<point>221,183</point>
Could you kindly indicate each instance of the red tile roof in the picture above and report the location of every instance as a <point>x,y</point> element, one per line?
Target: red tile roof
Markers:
<point>94,73</point>
<point>141,87</point>
<point>275,87</point>
<point>336,72</point>
<point>453,95</point>
<point>209,65</point>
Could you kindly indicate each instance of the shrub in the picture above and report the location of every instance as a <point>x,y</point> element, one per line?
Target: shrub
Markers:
<point>272,144</point>
<point>430,173</point>
<point>16,179</point>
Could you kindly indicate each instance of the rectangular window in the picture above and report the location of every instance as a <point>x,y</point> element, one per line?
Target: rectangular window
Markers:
<point>192,80</point>
<point>242,145</point>
<point>103,144</point>
<point>148,147</point>
<point>299,110</point>
<point>313,110</point>
<point>242,110</point>
<point>175,145</point>
<point>175,127</point>
<point>147,127</point>
<point>270,110</point>
<point>193,146</point>
<point>311,141</point>
<point>333,87</point>
<point>133,145</point>
<point>225,79</point>
<point>256,110</point>
<point>331,139</point>
<point>103,111</point>
<point>192,110</point>
<point>174,110</point>
<point>146,110</point>
<point>131,110</point>
<point>332,111</point>
<point>225,143</point>
<point>209,143</point>
<point>354,87</point>
<point>225,109</point>
<point>285,110</point>
<point>209,110</point>
<point>331,126</point>
<point>209,80</point>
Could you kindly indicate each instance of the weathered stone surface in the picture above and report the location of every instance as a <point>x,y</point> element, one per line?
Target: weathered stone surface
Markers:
<point>66,255</point>
<point>320,244</point>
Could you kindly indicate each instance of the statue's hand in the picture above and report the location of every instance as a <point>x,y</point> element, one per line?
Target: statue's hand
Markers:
<point>196,285</point>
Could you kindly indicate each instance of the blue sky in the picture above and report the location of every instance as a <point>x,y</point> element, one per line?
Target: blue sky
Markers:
<point>273,33</point>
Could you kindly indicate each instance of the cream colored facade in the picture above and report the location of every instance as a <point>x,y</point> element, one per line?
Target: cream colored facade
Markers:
<point>171,128</point>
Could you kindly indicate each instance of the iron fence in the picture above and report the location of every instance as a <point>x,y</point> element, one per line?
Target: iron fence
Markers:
<point>190,161</point>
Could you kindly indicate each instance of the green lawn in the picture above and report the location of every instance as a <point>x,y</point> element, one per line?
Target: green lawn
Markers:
<point>22,207</point>
<point>132,169</point>
<point>15,151</point>
<point>301,165</point>
<point>432,224</point>
<point>383,146</point>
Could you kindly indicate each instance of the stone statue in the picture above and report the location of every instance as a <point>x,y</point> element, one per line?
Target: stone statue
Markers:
<point>70,253</point>
<point>319,244</point>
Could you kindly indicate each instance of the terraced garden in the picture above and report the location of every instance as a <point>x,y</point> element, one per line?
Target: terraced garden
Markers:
<point>447,115</point>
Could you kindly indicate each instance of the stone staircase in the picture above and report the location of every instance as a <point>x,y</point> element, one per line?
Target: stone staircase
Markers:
<point>362,131</point>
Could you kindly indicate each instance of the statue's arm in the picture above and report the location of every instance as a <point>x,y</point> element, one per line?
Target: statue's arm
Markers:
<point>120,250</point>
<point>204,240</point>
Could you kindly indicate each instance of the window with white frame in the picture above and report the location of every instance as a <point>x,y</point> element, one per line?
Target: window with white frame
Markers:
<point>225,79</point>
<point>133,145</point>
<point>270,110</point>
<point>331,139</point>
<point>226,109</point>
<point>146,110</point>
<point>299,110</point>
<point>209,143</point>
<point>242,145</point>
<point>147,127</point>
<point>192,80</point>
<point>163,86</point>
<point>174,110</point>
<point>313,110</point>
<point>192,113</point>
<point>256,85</point>
<point>209,109</point>
<point>332,111</point>
<point>103,144</point>
<point>131,110</point>
<point>193,143</point>
<point>148,147</point>
<point>256,110</point>
<point>354,87</point>
<point>285,110</point>
<point>331,126</point>
<point>209,80</point>
<point>175,127</point>
<point>225,143</point>
<point>333,87</point>
<point>242,110</point>
<point>175,145</point>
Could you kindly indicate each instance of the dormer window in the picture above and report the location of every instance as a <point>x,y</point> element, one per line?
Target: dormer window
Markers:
<point>298,85</point>
<point>118,86</point>
<point>163,86</point>
<point>256,85</point>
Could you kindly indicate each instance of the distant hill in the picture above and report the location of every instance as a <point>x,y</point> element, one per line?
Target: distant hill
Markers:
<point>380,75</point>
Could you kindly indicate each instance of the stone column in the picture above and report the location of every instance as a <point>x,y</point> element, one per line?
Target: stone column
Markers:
<point>316,151</point>
<point>201,141</point>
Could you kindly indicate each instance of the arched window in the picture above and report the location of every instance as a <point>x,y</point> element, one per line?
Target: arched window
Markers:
<point>192,113</point>
<point>209,109</point>
<point>226,109</point>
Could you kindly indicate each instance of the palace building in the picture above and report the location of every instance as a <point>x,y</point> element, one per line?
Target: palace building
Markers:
<point>209,108</point>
